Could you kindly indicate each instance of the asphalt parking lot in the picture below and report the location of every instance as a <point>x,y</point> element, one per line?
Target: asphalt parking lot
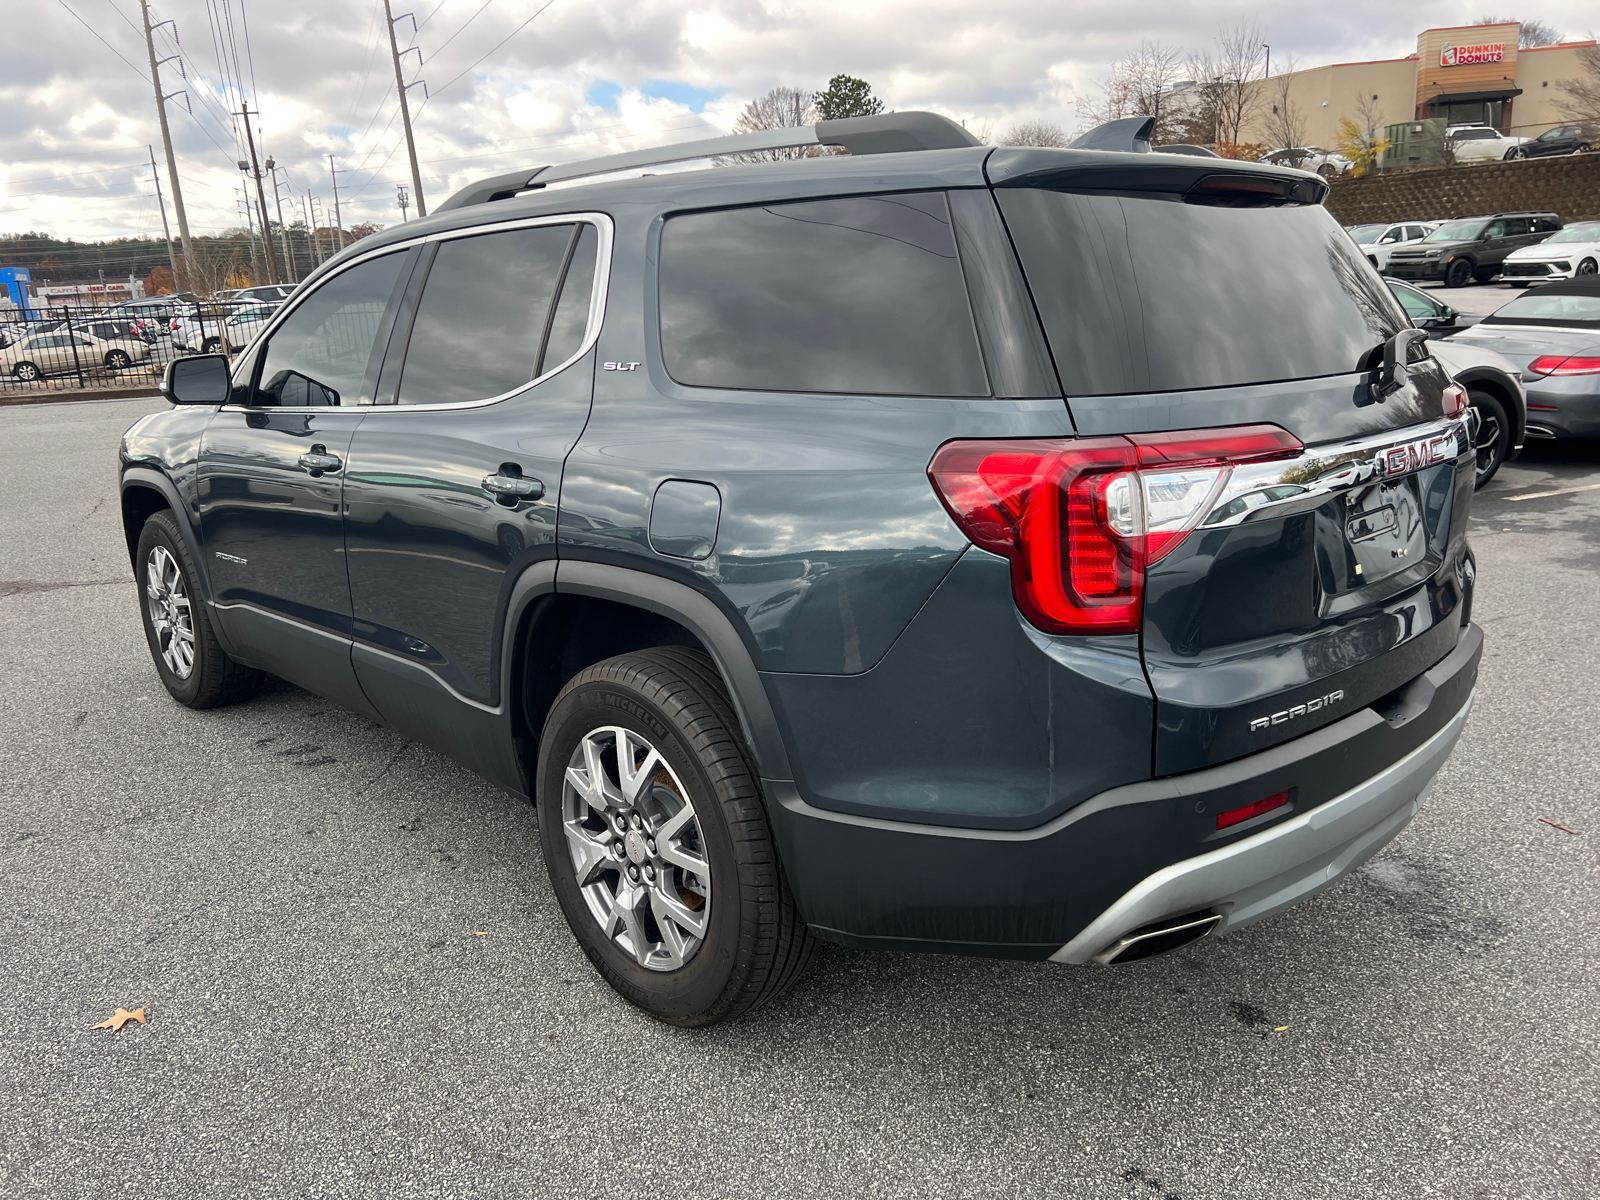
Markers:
<point>358,983</point>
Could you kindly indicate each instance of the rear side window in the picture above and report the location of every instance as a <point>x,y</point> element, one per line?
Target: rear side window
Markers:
<point>862,295</point>
<point>486,313</point>
<point>1144,293</point>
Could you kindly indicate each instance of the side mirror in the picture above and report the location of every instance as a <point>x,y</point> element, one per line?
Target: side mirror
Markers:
<point>1448,315</point>
<point>199,379</point>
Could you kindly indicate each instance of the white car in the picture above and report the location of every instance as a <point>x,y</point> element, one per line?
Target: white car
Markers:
<point>1326,163</point>
<point>1565,254</point>
<point>54,353</point>
<point>205,334</point>
<point>1481,143</point>
<point>1378,241</point>
<point>239,330</point>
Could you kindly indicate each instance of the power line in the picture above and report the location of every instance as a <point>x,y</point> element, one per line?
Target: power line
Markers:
<point>496,46</point>
<point>102,40</point>
<point>459,28</point>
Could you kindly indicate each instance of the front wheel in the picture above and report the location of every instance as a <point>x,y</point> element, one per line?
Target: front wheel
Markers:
<point>1458,274</point>
<point>1511,155</point>
<point>1588,267</point>
<point>118,360</point>
<point>212,346</point>
<point>657,843</point>
<point>194,668</point>
<point>25,371</point>
<point>1494,434</point>
<point>1327,170</point>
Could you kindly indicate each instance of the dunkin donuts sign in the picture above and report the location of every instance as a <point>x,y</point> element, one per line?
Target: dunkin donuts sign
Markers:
<point>1460,56</point>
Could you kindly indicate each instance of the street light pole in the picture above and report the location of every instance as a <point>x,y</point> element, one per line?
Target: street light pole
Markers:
<point>1268,73</point>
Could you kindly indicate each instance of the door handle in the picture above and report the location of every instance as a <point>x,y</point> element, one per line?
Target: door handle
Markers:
<point>317,460</point>
<point>511,488</point>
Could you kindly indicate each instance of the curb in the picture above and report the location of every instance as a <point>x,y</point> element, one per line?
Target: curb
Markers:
<point>77,394</point>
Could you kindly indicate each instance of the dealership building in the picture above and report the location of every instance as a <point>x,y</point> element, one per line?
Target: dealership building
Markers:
<point>1462,73</point>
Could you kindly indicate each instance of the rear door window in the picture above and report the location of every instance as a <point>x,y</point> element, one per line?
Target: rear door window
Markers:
<point>486,312</point>
<point>861,295</point>
<point>1145,293</point>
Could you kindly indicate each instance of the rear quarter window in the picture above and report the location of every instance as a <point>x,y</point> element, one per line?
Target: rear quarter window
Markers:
<point>858,295</point>
<point>1145,293</point>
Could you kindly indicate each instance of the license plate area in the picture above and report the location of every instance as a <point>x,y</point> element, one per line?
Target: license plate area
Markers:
<point>1377,539</point>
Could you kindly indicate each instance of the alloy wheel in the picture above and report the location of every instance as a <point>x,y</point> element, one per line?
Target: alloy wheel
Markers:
<point>27,372</point>
<point>636,848</point>
<point>167,600</point>
<point>1487,444</point>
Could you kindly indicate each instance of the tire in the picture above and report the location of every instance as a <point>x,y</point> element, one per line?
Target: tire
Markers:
<point>25,371</point>
<point>211,346</point>
<point>1374,261</point>
<point>166,575</point>
<point>1587,267</point>
<point>1511,155</point>
<point>1516,283</point>
<point>1458,274</point>
<point>666,707</point>
<point>1494,434</point>
<point>117,360</point>
<point>1327,170</point>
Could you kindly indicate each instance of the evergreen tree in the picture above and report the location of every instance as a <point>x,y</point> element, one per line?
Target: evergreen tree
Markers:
<point>847,96</point>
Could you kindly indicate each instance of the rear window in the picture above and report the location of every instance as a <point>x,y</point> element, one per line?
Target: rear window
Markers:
<point>1550,308</point>
<point>862,295</point>
<point>1145,293</point>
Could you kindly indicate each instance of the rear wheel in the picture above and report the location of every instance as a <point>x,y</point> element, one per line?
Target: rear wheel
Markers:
<point>657,844</point>
<point>118,359</point>
<point>212,346</point>
<point>193,667</point>
<point>25,371</point>
<point>1327,170</point>
<point>1494,434</point>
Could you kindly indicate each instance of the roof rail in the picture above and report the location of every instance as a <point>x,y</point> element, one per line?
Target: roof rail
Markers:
<point>1130,134</point>
<point>886,133</point>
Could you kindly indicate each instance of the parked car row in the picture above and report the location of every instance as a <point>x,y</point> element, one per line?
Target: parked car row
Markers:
<point>1519,247</point>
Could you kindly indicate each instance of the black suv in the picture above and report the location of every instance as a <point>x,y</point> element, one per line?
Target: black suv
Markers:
<point>1471,249</point>
<point>1043,553</point>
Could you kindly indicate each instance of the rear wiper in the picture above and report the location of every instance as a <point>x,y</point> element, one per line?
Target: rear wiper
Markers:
<point>1396,354</point>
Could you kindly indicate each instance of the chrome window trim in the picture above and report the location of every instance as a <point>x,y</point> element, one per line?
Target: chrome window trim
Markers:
<point>604,230</point>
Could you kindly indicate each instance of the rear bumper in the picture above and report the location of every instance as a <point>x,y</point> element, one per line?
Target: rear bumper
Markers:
<point>1269,871</point>
<point>1133,854</point>
<point>1564,406</point>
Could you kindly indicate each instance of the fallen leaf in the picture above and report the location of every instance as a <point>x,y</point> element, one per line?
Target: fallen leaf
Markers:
<point>1559,826</point>
<point>123,1016</point>
<point>1280,1029</point>
<point>480,933</point>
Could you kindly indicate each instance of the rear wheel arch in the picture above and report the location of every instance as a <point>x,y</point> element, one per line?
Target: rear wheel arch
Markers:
<point>596,612</point>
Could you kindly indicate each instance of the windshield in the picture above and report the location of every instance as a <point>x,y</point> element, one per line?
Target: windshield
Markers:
<point>1458,231</point>
<point>1551,308</point>
<point>1365,235</point>
<point>1142,294</point>
<point>1589,231</point>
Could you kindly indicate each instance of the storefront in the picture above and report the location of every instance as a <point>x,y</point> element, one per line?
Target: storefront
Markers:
<point>1465,74</point>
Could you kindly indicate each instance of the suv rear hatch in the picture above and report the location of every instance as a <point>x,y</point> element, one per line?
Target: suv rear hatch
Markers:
<point>1282,574</point>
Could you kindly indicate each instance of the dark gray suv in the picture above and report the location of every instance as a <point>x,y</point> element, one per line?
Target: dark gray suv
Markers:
<point>1040,553</point>
<point>1471,249</point>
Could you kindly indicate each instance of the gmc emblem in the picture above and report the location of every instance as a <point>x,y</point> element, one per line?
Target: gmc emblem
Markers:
<point>1413,456</point>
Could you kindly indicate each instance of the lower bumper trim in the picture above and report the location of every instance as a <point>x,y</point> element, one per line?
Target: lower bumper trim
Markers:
<point>1261,875</point>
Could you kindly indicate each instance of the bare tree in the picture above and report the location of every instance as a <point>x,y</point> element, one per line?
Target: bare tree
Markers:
<point>1532,33</point>
<point>1139,86</point>
<point>1035,133</point>
<point>1226,75</point>
<point>1286,124</point>
<point>781,108</point>
<point>1582,101</point>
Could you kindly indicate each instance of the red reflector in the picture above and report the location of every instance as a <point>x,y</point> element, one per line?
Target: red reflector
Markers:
<point>1561,364</point>
<point>1234,815</point>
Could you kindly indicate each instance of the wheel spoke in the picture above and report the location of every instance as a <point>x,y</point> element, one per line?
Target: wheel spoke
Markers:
<point>669,910</point>
<point>588,855</point>
<point>633,778</point>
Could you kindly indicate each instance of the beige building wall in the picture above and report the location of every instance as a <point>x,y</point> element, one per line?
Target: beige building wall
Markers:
<point>1324,95</point>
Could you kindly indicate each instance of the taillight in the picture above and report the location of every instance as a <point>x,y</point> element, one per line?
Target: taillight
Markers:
<point>1081,518</point>
<point>1564,364</point>
<point>1455,400</point>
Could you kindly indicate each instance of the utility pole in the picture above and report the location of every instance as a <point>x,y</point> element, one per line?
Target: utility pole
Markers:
<point>166,230</point>
<point>338,221</point>
<point>249,224</point>
<point>405,108</point>
<point>403,200</point>
<point>254,168</point>
<point>289,265</point>
<point>166,142</point>
<point>311,224</point>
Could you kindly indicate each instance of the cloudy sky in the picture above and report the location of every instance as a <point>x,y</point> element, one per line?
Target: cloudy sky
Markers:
<point>513,83</point>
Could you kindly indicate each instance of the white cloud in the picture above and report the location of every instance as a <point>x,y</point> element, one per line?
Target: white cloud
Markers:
<point>581,79</point>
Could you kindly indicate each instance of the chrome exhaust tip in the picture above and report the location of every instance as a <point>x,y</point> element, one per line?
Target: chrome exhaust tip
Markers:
<point>1159,938</point>
<point>1539,431</point>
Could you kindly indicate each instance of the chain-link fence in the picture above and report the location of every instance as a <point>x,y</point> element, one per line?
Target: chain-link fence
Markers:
<point>65,350</point>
